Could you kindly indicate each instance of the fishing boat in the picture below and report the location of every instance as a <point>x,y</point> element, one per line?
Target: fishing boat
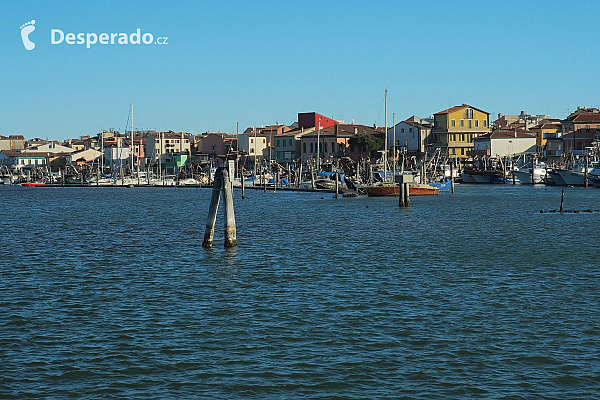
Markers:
<point>414,189</point>
<point>525,174</point>
<point>32,184</point>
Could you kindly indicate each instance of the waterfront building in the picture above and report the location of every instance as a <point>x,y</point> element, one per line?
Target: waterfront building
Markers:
<point>160,145</point>
<point>254,144</point>
<point>84,157</point>
<point>527,120</point>
<point>12,142</point>
<point>455,128</point>
<point>334,142</point>
<point>50,147</point>
<point>287,146</point>
<point>219,144</point>
<point>413,134</point>
<point>580,130</point>
<point>18,159</point>
<point>545,131</point>
<point>504,143</point>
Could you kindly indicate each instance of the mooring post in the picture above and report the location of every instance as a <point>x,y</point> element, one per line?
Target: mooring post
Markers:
<point>230,231</point>
<point>562,200</point>
<point>532,170</point>
<point>209,233</point>
<point>452,176</point>
<point>407,195</point>
<point>586,172</point>
<point>337,184</point>
<point>243,188</point>
<point>401,196</point>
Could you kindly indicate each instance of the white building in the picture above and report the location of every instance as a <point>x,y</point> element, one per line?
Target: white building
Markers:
<point>410,134</point>
<point>160,145</point>
<point>116,157</point>
<point>505,142</point>
<point>88,156</point>
<point>254,146</point>
<point>51,148</point>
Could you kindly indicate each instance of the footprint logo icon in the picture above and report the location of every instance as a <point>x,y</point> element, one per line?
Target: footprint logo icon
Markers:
<point>26,29</point>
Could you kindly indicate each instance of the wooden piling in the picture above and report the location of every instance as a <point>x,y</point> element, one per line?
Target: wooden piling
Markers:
<point>562,200</point>
<point>243,188</point>
<point>230,230</point>
<point>406,194</point>
<point>452,176</point>
<point>209,233</point>
<point>337,185</point>
<point>586,172</point>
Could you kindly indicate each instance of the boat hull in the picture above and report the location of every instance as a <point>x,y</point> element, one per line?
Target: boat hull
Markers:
<point>414,189</point>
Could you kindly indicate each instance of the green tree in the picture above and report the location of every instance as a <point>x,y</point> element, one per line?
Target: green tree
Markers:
<point>364,141</point>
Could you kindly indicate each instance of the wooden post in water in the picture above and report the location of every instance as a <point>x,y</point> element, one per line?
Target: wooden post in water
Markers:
<point>532,170</point>
<point>452,176</point>
<point>230,230</point>
<point>337,185</point>
<point>312,177</point>
<point>586,173</point>
<point>562,200</point>
<point>401,196</point>
<point>209,233</point>
<point>404,186</point>
<point>243,188</point>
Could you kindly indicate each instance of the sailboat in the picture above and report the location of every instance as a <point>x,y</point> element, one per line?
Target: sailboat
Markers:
<point>390,188</point>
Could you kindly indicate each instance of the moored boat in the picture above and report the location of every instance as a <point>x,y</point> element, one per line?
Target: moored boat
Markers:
<point>414,189</point>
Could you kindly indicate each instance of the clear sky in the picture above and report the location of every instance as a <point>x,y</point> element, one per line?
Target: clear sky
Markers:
<point>261,62</point>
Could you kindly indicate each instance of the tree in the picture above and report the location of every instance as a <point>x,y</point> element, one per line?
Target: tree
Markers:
<point>365,141</point>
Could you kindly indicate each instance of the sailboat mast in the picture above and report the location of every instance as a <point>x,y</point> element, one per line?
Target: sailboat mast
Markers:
<point>385,148</point>
<point>394,147</point>
<point>131,155</point>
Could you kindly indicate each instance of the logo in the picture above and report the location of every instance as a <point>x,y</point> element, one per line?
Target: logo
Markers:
<point>26,29</point>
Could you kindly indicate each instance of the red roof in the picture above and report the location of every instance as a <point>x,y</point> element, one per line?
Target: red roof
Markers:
<point>586,117</point>
<point>456,108</point>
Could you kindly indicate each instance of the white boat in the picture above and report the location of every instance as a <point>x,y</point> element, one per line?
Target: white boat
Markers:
<point>576,176</point>
<point>525,176</point>
<point>189,182</point>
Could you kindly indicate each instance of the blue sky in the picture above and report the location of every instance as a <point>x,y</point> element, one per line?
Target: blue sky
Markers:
<point>261,62</point>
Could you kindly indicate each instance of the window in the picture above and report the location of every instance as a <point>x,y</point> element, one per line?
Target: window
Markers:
<point>453,123</point>
<point>291,143</point>
<point>251,150</point>
<point>476,123</point>
<point>284,143</point>
<point>484,123</point>
<point>325,145</point>
<point>251,140</point>
<point>278,142</point>
<point>462,123</point>
<point>264,140</point>
<point>462,136</point>
<point>304,147</point>
<point>311,148</point>
<point>469,113</point>
<point>402,130</point>
<point>470,124</point>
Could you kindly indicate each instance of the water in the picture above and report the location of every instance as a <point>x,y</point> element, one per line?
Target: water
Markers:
<point>107,293</point>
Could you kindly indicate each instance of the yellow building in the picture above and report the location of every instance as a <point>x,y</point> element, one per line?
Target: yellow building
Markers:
<point>456,127</point>
<point>545,131</point>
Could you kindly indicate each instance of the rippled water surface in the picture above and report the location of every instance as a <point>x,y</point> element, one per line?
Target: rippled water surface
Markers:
<point>107,293</point>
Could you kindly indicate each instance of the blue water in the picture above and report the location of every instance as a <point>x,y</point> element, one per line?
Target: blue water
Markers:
<point>107,293</point>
